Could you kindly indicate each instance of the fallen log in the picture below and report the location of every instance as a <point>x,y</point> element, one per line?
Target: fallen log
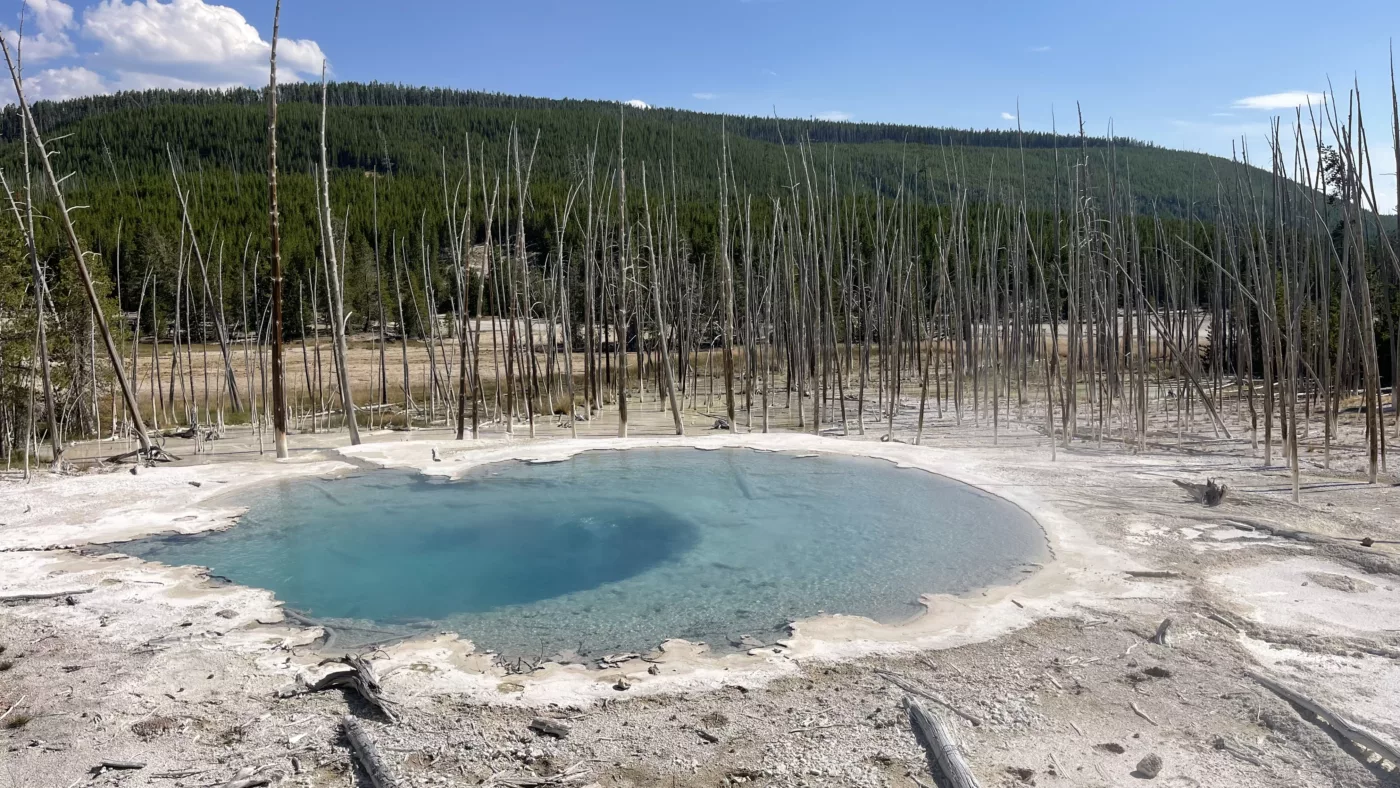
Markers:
<point>44,595</point>
<point>1346,728</point>
<point>247,777</point>
<point>914,689</point>
<point>1210,493</point>
<point>550,727</point>
<point>118,766</point>
<point>361,678</point>
<point>940,745</point>
<point>365,752</point>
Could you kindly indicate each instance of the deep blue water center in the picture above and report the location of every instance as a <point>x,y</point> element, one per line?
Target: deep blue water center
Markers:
<point>616,550</point>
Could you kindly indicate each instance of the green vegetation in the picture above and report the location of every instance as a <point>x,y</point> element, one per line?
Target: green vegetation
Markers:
<point>809,236</point>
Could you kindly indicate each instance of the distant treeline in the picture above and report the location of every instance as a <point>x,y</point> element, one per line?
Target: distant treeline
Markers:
<point>377,94</point>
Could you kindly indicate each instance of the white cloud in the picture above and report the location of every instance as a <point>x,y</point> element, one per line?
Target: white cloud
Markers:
<point>768,72</point>
<point>1040,49</point>
<point>836,115</point>
<point>637,103</point>
<point>51,15</point>
<point>57,84</point>
<point>140,80</point>
<point>1286,100</point>
<point>192,41</point>
<point>1007,116</point>
<point>143,44</point>
<point>704,96</point>
<point>46,25</point>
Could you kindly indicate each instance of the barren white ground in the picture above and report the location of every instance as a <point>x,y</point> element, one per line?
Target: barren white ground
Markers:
<point>160,666</point>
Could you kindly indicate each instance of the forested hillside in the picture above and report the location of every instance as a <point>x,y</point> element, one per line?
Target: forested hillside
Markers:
<point>119,150</point>
<point>670,221</point>
<point>403,142</point>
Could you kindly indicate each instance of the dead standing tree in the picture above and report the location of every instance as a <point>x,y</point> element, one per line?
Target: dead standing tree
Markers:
<point>279,397</point>
<point>231,378</point>
<point>128,397</point>
<point>41,332</point>
<point>620,296</point>
<point>337,296</point>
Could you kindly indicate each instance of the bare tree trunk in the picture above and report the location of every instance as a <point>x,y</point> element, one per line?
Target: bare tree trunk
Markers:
<point>279,395</point>
<point>337,296</point>
<point>41,332</point>
<point>620,298</point>
<point>78,256</point>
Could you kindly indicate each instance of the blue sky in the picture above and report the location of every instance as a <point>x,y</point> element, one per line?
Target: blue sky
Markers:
<point>1180,74</point>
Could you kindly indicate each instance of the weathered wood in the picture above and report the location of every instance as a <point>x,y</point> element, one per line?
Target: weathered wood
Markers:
<point>914,689</point>
<point>1348,729</point>
<point>247,777</point>
<point>13,706</point>
<point>1225,745</point>
<point>550,727</point>
<point>79,257</point>
<point>45,595</point>
<point>1210,493</point>
<point>361,678</point>
<point>1160,637</point>
<point>119,766</point>
<point>379,775</point>
<point>1158,574</point>
<point>1138,711</point>
<point>943,750</point>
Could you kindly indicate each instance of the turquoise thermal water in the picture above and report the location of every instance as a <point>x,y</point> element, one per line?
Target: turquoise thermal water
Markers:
<point>616,550</point>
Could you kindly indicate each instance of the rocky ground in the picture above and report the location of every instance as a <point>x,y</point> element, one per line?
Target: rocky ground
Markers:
<point>1052,683</point>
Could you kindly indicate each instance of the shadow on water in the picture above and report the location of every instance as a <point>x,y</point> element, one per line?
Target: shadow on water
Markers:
<point>438,560</point>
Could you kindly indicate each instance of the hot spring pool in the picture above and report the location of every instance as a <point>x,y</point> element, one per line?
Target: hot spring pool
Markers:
<point>616,550</point>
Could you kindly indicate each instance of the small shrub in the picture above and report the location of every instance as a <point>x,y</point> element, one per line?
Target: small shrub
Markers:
<point>561,405</point>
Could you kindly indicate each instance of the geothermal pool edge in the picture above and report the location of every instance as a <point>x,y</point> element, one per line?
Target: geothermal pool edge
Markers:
<point>42,551</point>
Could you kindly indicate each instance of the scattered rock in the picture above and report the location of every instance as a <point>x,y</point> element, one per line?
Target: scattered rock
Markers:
<point>196,484</point>
<point>622,684</point>
<point>1112,747</point>
<point>1368,542</point>
<point>226,613</point>
<point>1157,672</point>
<point>1149,767</point>
<point>707,736</point>
<point>548,727</point>
<point>654,670</point>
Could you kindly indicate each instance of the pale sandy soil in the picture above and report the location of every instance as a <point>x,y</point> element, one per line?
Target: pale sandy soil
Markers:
<point>161,666</point>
